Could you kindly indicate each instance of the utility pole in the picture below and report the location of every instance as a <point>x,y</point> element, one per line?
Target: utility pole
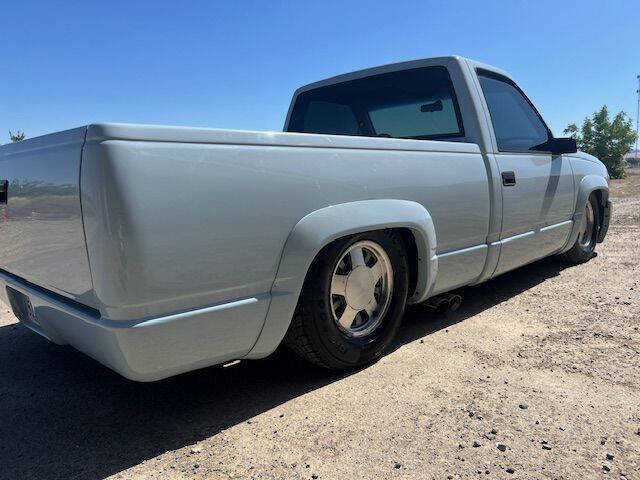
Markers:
<point>637,115</point>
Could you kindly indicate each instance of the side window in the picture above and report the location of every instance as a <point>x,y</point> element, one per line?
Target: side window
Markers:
<point>517,126</point>
<point>331,118</point>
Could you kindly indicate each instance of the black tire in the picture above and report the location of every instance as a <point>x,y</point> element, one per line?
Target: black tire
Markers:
<point>582,251</point>
<point>313,333</point>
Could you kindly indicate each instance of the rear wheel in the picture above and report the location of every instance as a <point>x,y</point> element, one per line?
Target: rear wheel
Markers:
<point>352,302</point>
<point>585,245</point>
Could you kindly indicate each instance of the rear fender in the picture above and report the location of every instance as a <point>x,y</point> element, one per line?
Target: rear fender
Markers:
<point>318,229</point>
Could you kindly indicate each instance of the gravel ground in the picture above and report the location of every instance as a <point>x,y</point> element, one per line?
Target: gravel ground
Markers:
<point>537,376</point>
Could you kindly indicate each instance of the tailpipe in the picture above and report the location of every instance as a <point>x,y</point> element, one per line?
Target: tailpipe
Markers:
<point>454,299</point>
<point>446,302</point>
<point>438,303</point>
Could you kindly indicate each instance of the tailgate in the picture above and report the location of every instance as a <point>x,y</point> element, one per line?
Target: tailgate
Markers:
<point>41,231</point>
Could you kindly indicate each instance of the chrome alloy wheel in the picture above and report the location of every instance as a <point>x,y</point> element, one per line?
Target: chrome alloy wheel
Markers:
<point>586,231</point>
<point>361,288</point>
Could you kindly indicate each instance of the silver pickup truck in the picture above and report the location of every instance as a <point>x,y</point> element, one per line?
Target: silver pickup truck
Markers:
<point>157,250</point>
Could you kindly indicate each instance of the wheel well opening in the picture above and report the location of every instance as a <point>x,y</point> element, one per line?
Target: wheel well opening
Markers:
<point>598,194</point>
<point>412,258</point>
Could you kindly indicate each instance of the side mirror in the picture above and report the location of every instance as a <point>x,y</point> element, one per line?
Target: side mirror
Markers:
<point>563,145</point>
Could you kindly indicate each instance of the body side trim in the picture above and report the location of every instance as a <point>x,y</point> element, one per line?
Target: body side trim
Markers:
<point>532,232</point>
<point>462,250</point>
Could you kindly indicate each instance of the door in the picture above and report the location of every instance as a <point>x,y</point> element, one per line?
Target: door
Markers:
<point>537,187</point>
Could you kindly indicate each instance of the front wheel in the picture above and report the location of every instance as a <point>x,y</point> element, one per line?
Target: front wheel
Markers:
<point>352,301</point>
<point>585,245</point>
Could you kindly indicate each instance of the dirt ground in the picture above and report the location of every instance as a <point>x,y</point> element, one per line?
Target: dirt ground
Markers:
<point>537,376</point>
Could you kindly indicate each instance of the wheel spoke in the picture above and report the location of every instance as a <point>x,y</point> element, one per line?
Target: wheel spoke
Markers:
<point>377,270</point>
<point>357,257</point>
<point>349,314</point>
<point>371,308</point>
<point>339,285</point>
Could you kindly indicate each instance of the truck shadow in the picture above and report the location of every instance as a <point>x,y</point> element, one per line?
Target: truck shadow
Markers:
<point>65,416</point>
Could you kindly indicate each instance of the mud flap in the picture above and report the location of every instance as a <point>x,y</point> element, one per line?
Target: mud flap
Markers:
<point>604,226</point>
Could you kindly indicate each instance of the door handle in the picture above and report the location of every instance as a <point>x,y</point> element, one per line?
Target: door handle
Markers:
<point>508,179</point>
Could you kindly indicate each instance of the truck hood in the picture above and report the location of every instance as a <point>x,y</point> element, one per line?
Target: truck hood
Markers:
<point>586,156</point>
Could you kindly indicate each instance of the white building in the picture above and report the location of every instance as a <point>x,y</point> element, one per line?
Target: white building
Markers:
<point>631,158</point>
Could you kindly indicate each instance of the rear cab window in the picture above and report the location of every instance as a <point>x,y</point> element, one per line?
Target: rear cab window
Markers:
<point>419,103</point>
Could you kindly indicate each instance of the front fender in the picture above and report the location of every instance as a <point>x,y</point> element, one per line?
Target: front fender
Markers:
<point>318,229</point>
<point>587,186</point>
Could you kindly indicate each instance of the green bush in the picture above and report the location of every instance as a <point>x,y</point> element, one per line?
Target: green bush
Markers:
<point>605,139</point>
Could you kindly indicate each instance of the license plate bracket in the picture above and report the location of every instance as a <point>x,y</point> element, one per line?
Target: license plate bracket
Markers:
<point>22,306</point>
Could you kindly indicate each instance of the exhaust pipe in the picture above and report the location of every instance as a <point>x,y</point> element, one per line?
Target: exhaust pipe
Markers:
<point>446,302</point>
<point>454,299</point>
<point>438,303</point>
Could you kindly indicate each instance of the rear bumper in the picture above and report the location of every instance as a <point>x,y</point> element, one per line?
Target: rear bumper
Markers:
<point>606,217</point>
<point>141,350</point>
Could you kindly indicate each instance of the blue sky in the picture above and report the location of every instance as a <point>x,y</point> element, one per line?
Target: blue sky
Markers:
<point>235,64</point>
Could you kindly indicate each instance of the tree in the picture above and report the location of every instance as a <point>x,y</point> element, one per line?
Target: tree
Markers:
<point>605,139</point>
<point>16,137</point>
